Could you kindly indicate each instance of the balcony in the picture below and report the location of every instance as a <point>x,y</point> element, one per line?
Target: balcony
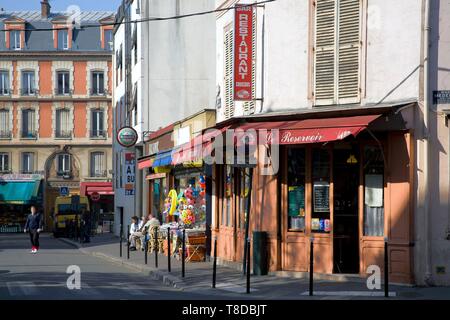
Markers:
<point>61,92</point>
<point>98,134</point>
<point>5,135</point>
<point>98,93</point>
<point>66,175</point>
<point>5,92</point>
<point>29,135</point>
<point>99,174</point>
<point>63,134</point>
<point>29,92</point>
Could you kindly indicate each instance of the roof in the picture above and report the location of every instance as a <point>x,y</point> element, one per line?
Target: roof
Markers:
<point>35,16</point>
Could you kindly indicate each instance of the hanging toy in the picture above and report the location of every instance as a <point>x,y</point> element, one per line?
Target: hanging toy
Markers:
<point>191,201</point>
<point>188,193</point>
<point>173,201</point>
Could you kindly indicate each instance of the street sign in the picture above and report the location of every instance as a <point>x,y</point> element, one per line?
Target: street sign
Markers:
<point>95,196</point>
<point>64,191</point>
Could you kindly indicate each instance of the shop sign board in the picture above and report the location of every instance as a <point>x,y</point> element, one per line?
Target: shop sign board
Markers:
<point>127,137</point>
<point>321,196</point>
<point>130,173</point>
<point>243,53</point>
<point>441,97</point>
<point>21,177</point>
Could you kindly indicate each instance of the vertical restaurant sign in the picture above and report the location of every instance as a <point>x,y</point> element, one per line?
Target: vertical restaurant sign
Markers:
<point>243,53</point>
<point>130,173</point>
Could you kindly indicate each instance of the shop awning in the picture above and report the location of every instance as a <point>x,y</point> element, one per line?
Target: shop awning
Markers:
<point>19,192</point>
<point>146,162</point>
<point>309,130</point>
<point>163,158</point>
<point>102,188</point>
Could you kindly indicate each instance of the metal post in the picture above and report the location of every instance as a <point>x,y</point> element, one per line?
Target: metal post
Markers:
<point>168,249</point>
<point>248,266</point>
<point>128,242</point>
<point>145,250</point>
<point>247,220</point>
<point>183,258</point>
<point>386,268</point>
<point>311,267</point>
<point>121,239</point>
<point>215,263</point>
<point>156,247</point>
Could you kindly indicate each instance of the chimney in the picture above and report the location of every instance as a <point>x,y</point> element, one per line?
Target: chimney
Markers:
<point>45,9</point>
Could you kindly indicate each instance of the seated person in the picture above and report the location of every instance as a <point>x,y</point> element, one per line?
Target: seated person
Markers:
<point>147,223</point>
<point>134,232</point>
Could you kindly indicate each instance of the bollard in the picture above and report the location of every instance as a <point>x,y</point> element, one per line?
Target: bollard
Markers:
<point>121,239</point>
<point>248,266</point>
<point>311,267</point>
<point>183,258</point>
<point>145,250</point>
<point>215,263</point>
<point>168,249</point>
<point>128,242</point>
<point>156,247</point>
<point>386,268</point>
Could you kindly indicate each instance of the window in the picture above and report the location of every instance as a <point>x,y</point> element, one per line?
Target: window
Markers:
<point>27,162</point>
<point>98,83</point>
<point>337,51</point>
<point>4,83</point>
<point>296,189</point>
<point>98,168</point>
<point>320,221</point>
<point>108,38</point>
<point>97,124</point>
<point>373,192</point>
<point>227,196</point>
<point>228,72</point>
<point>63,78</point>
<point>28,124</point>
<point>5,130</point>
<point>4,162</point>
<point>64,167</point>
<point>63,39</point>
<point>244,188</point>
<point>63,128</point>
<point>28,83</point>
<point>14,40</point>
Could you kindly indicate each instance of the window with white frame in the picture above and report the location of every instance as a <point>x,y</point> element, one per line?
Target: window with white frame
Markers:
<point>98,168</point>
<point>14,40</point>
<point>98,83</point>
<point>63,83</point>
<point>4,83</point>
<point>28,83</point>
<point>28,123</point>
<point>97,123</point>
<point>228,72</point>
<point>5,130</point>
<point>4,162</point>
<point>63,39</point>
<point>108,38</point>
<point>337,47</point>
<point>63,128</point>
<point>63,164</point>
<point>27,162</point>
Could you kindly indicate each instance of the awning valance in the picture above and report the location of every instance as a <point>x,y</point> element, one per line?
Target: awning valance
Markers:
<point>19,192</point>
<point>146,162</point>
<point>163,158</point>
<point>102,188</point>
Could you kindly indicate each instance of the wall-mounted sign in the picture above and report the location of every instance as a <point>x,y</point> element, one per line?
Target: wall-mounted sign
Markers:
<point>441,96</point>
<point>130,173</point>
<point>64,191</point>
<point>127,137</point>
<point>243,53</point>
<point>321,191</point>
<point>20,177</point>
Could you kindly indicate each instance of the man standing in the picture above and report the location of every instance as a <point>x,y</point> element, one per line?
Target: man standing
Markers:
<point>34,226</point>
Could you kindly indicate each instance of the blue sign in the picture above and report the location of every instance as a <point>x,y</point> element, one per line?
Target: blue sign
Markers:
<point>64,191</point>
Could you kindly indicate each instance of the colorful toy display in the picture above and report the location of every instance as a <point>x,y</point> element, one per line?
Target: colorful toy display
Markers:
<point>188,217</point>
<point>173,199</point>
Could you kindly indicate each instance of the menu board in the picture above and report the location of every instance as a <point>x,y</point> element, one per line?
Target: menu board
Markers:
<point>321,196</point>
<point>296,201</point>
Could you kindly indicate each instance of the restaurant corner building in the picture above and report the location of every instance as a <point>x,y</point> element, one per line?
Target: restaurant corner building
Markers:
<point>345,180</point>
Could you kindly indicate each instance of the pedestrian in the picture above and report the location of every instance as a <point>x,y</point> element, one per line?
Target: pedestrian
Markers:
<point>34,226</point>
<point>86,222</point>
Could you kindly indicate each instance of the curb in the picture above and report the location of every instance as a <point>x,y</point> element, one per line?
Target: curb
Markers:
<point>167,279</point>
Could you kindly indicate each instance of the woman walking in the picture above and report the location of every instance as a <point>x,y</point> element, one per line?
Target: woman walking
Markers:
<point>34,226</point>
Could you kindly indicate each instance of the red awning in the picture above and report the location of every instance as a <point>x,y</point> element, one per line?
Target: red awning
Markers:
<point>102,188</point>
<point>307,131</point>
<point>145,163</point>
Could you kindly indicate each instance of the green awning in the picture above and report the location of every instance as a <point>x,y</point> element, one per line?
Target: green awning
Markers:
<point>19,192</point>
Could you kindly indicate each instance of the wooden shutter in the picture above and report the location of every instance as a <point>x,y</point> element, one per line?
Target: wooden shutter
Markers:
<point>324,51</point>
<point>228,73</point>
<point>349,51</point>
<point>249,106</point>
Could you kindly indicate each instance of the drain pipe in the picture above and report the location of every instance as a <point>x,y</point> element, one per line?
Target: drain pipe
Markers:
<point>426,113</point>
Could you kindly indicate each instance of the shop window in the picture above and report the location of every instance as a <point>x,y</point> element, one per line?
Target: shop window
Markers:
<point>373,192</point>
<point>159,189</point>
<point>296,189</point>
<point>244,188</point>
<point>320,221</point>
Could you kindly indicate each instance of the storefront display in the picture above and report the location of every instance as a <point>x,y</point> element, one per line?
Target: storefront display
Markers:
<point>321,190</point>
<point>296,190</point>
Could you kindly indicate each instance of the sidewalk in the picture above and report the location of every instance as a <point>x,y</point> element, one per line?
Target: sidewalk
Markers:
<point>232,284</point>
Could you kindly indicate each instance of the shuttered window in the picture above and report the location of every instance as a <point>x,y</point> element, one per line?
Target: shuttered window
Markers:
<point>337,51</point>
<point>228,72</point>
<point>249,106</point>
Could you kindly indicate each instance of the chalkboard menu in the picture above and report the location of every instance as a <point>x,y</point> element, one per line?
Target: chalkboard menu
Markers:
<point>321,196</point>
<point>296,201</point>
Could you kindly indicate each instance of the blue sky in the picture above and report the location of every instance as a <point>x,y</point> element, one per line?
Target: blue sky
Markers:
<point>60,5</point>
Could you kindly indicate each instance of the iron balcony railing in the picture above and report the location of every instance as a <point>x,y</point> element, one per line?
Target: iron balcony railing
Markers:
<point>99,173</point>
<point>61,92</point>
<point>29,92</point>
<point>5,134</point>
<point>65,134</point>
<point>29,134</point>
<point>98,134</point>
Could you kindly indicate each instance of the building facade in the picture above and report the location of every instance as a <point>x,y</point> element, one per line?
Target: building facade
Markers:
<point>55,105</point>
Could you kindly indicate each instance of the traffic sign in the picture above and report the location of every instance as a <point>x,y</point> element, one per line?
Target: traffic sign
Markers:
<point>64,191</point>
<point>95,196</point>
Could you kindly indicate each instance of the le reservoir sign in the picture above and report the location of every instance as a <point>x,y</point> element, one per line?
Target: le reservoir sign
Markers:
<point>127,137</point>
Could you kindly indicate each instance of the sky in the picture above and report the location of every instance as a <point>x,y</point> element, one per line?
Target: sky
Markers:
<point>60,5</point>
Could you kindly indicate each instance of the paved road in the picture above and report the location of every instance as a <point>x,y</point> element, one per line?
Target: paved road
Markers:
<point>43,276</point>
